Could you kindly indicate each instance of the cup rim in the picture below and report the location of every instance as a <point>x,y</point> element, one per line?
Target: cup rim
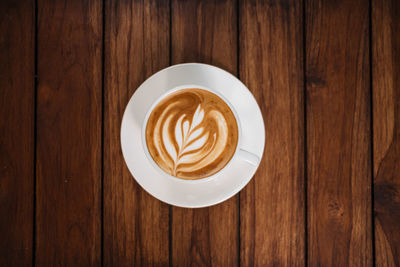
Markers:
<point>154,104</point>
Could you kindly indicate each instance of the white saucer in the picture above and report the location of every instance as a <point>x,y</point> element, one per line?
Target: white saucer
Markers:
<point>211,190</point>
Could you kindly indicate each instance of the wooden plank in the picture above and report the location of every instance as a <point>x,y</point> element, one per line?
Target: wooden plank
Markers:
<point>205,31</point>
<point>17,20</point>
<point>386,130</point>
<point>338,133</point>
<point>271,65</point>
<point>136,225</point>
<point>69,133</point>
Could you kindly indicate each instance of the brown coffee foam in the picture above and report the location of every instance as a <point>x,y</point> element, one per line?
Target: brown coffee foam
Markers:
<point>191,134</point>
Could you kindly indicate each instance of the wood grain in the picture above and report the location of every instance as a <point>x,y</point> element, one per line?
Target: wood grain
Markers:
<point>136,225</point>
<point>271,65</point>
<point>69,133</point>
<point>338,133</point>
<point>17,93</point>
<point>205,31</point>
<point>386,130</point>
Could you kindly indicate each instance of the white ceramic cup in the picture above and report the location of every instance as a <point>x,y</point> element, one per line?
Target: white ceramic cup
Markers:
<point>243,154</point>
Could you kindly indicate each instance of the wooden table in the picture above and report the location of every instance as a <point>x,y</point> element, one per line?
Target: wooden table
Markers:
<point>326,75</point>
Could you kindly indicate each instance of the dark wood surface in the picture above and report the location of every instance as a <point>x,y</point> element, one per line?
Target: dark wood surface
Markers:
<point>17,115</point>
<point>338,133</point>
<point>271,65</point>
<point>68,126</point>
<point>386,129</point>
<point>326,75</point>
<point>136,225</point>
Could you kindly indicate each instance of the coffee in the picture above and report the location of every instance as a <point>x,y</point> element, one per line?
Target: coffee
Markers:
<point>191,134</point>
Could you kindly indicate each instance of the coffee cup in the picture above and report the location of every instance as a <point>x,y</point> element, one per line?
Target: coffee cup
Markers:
<point>193,133</point>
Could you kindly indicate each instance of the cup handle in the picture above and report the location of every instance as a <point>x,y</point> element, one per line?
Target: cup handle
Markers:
<point>249,157</point>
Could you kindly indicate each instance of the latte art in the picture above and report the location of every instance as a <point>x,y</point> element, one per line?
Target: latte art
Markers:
<point>191,134</point>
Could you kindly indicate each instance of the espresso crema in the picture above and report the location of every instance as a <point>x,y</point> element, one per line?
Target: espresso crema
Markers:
<point>191,134</point>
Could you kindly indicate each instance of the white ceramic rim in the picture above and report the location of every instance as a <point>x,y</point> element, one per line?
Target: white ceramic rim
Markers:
<point>218,187</point>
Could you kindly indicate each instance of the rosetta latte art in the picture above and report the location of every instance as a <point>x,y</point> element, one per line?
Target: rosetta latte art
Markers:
<point>191,134</point>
